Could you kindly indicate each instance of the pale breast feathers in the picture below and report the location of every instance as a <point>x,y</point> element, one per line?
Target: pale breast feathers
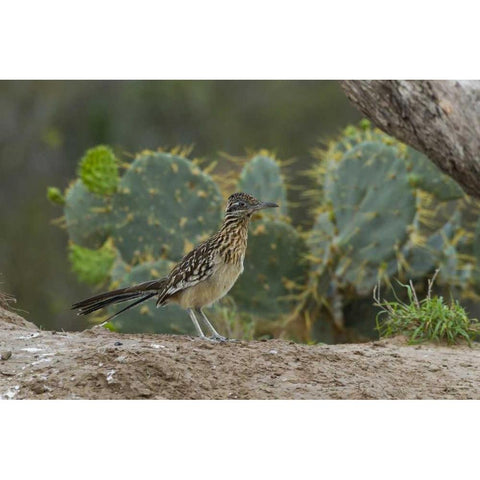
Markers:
<point>195,267</point>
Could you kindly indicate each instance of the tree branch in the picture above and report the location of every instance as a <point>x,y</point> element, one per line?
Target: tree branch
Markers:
<point>439,118</point>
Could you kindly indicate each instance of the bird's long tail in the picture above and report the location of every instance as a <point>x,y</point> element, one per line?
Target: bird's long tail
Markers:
<point>140,292</point>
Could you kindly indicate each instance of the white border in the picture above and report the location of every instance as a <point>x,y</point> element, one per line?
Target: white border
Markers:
<point>252,39</point>
<point>238,439</point>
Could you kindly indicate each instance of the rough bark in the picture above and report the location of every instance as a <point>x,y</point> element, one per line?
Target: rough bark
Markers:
<point>439,118</point>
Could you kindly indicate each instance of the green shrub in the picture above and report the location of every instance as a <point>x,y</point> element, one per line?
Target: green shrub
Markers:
<point>430,319</point>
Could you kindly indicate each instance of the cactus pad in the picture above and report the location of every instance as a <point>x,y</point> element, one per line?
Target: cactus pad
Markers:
<point>55,196</point>
<point>87,216</point>
<point>373,206</point>
<point>98,170</point>
<point>425,175</point>
<point>261,178</point>
<point>274,266</point>
<point>164,206</point>
<point>92,266</point>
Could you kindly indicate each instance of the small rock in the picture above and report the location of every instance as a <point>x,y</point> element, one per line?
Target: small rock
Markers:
<point>273,352</point>
<point>6,355</point>
<point>38,388</point>
<point>109,375</point>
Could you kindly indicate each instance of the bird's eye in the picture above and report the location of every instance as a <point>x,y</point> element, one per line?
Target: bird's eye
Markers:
<point>242,204</point>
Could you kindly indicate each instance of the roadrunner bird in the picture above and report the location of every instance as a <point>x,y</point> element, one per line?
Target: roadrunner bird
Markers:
<point>203,276</point>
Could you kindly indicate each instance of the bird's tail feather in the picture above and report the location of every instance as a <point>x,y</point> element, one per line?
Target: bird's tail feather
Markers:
<point>140,292</point>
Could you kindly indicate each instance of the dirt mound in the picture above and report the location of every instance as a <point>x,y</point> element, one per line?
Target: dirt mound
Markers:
<point>97,363</point>
<point>10,320</point>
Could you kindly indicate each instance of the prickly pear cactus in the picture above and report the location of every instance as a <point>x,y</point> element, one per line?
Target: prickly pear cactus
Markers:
<point>261,178</point>
<point>92,266</point>
<point>87,216</point>
<point>425,175</point>
<point>55,196</point>
<point>274,267</point>
<point>431,233</point>
<point>321,243</point>
<point>163,207</point>
<point>373,206</point>
<point>146,317</point>
<point>385,210</point>
<point>98,170</point>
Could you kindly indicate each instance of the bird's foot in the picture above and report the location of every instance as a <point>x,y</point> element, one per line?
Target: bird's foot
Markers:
<point>213,338</point>
<point>217,338</point>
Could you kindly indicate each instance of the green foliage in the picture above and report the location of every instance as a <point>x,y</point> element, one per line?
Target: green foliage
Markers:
<point>430,319</point>
<point>164,206</point>
<point>87,216</point>
<point>98,170</point>
<point>261,178</point>
<point>55,196</point>
<point>365,124</point>
<point>110,326</point>
<point>92,266</point>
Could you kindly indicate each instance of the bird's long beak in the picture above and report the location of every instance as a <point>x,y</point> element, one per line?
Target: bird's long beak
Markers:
<point>263,205</point>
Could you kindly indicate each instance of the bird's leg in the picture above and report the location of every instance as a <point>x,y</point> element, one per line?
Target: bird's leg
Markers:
<point>215,334</point>
<point>196,324</point>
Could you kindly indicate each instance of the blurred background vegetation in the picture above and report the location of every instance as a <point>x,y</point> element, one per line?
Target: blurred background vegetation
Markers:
<point>46,126</point>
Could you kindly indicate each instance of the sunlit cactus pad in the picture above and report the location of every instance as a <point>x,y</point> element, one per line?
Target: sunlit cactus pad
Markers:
<point>98,170</point>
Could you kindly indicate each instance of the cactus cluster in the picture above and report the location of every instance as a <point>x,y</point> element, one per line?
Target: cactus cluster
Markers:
<point>383,211</point>
<point>155,212</point>
<point>163,206</point>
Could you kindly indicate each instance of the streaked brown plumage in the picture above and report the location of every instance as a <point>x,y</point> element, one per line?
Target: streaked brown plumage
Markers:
<point>202,277</point>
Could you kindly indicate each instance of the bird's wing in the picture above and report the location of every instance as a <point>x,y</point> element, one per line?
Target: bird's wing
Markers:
<point>195,267</point>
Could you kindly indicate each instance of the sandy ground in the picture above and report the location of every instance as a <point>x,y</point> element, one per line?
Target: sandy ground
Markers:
<point>97,364</point>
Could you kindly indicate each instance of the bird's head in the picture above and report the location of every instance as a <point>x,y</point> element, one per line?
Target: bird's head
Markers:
<point>243,204</point>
